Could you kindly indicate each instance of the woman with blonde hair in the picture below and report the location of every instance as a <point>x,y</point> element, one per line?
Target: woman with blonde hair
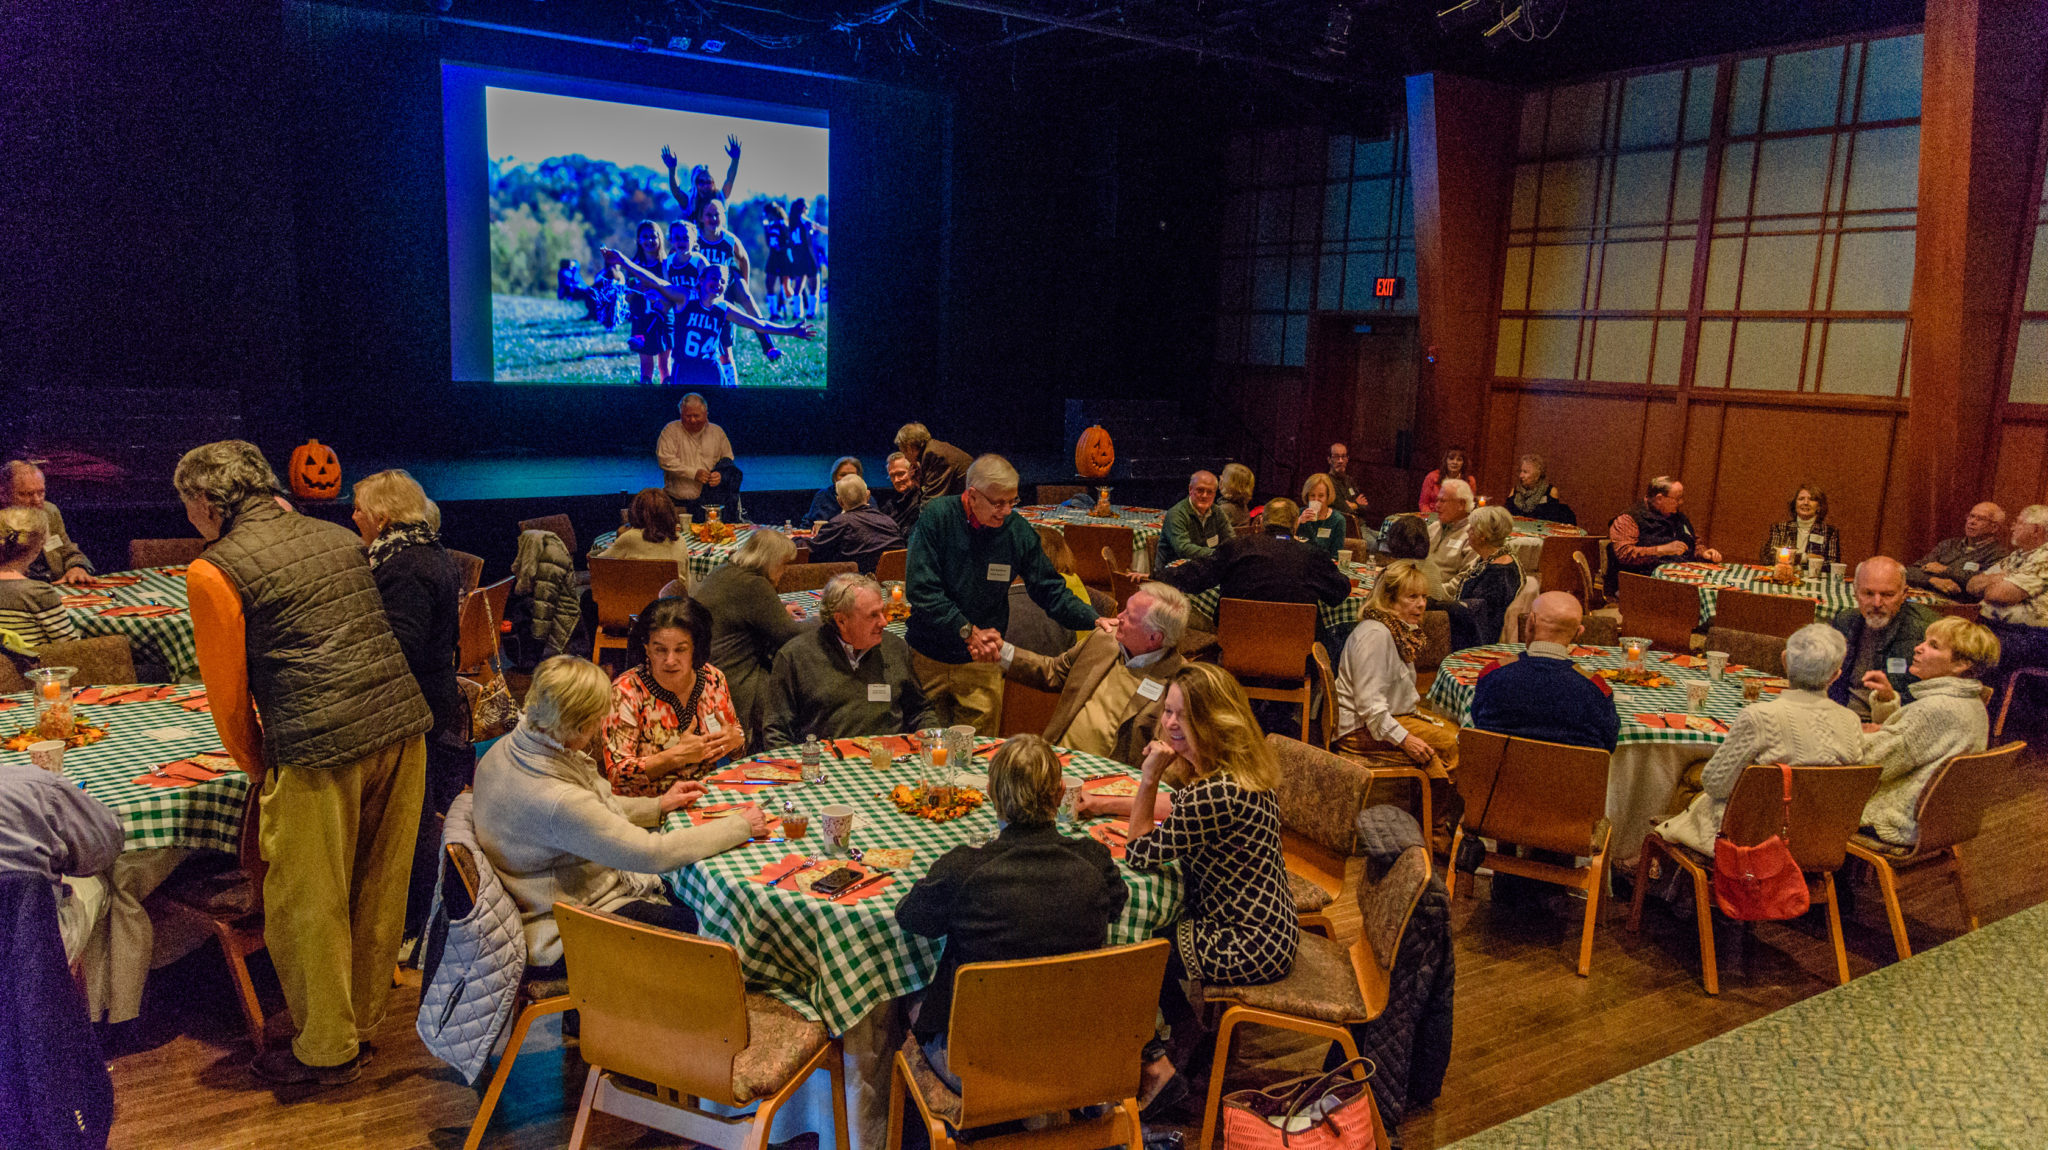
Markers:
<point>1239,927</point>
<point>1234,495</point>
<point>1378,707</point>
<point>1032,892</point>
<point>421,587</point>
<point>1320,524</point>
<point>556,832</point>
<point>1946,718</point>
<point>30,608</point>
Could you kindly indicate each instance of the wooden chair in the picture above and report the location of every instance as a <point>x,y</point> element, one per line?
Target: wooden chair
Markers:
<point>99,661</point>
<point>672,1010</point>
<point>1518,610</point>
<point>1320,796</point>
<point>1124,584</point>
<point>1026,709</point>
<point>476,635</point>
<point>1436,647</point>
<point>1766,653</point>
<point>536,999</point>
<point>1012,1065</point>
<point>1950,813</point>
<point>1548,796</point>
<point>811,576</point>
<point>1660,610</point>
<point>230,900</point>
<point>471,568</point>
<point>1827,806</point>
<point>1973,612</point>
<point>1049,494</point>
<point>1267,646</point>
<point>12,682</point>
<point>893,566</point>
<point>163,552</point>
<point>1331,988</point>
<point>1566,565</point>
<point>1099,550</point>
<point>2012,687</point>
<point>622,588</point>
<point>557,523</point>
<point>1760,614</point>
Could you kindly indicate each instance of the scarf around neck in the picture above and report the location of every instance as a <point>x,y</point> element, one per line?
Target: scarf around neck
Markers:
<point>1407,636</point>
<point>397,537</point>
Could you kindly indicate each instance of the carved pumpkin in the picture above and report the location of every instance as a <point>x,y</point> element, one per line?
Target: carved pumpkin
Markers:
<point>1094,453</point>
<point>316,472</point>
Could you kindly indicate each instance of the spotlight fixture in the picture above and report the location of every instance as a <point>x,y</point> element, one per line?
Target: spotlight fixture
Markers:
<point>713,46</point>
<point>678,43</point>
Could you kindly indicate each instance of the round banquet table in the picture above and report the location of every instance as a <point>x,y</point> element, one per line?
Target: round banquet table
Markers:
<point>1525,538</point>
<point>1831,596</point>
<point>1650,756</point>
<point>1145,523</point>
<point>843,964</point>
<point>161,825</point>
<point>151,606</point>
<point>703,556</point>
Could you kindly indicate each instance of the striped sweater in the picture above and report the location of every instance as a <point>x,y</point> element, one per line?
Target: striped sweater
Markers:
<point>34,610</point>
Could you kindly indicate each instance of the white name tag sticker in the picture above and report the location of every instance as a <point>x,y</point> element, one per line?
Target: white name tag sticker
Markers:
<point>1970,566</point>
<point>1212,541</point>
<point>999,572</point>
<point>878,692</point>
<point>1324,533</point>
<point>1151,688</point>
<point>1895,666</point>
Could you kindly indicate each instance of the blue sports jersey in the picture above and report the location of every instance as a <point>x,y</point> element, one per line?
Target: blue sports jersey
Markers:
<point>681,271</point>
<point>721,251</point>
<point>703,337</point>
<point>773,234</point>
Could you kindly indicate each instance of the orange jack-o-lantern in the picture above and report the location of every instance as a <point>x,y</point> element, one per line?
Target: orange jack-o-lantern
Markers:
<point>1094,453</point>
<point>316,473</point>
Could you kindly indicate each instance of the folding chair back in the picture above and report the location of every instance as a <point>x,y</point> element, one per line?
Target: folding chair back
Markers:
<point>1827,807</point>
<point>1533,793</point>
<point>1660,610</point>
<point>1761,614</point>
<point>1952,807</point>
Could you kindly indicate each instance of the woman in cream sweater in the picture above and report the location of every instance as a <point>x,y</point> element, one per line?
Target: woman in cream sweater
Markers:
<point>1946,718</point>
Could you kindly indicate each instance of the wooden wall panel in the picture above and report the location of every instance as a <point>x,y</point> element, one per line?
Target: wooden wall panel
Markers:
<point>2021,456</point>
<point>1766,452</point>
<point>1504,442</point>
<point>1696,462</point>
<point>1895,532</point>
<point>1589,444</point>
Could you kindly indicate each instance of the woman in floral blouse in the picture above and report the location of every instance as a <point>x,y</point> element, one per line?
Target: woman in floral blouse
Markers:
<point>672,715</point>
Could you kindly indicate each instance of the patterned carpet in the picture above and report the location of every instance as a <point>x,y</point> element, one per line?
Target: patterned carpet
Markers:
<point>1948,1049</point>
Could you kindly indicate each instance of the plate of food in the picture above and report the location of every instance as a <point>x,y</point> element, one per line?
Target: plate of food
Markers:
<point>1113,786</point>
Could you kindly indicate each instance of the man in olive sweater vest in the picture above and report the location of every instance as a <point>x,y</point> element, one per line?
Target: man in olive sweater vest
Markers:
<point>288,623</point>
<point>963,554</point>
<point>848,677</point>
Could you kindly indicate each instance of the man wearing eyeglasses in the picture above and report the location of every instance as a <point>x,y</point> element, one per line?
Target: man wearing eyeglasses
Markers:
<point>964,552</point>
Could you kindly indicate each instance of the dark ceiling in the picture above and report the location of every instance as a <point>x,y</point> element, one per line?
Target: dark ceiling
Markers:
<point>1364,45</point>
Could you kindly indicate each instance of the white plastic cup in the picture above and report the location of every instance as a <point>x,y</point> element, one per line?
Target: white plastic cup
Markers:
<point>1344,558</point>
<point>1696,692</point>
<point>1839,570</point>
<point>1717,664</point>
<point>836,821</point>
<point>1813,565</point>
<point>1070,803</point>
<point>817,525</point>
<point>48,754</point>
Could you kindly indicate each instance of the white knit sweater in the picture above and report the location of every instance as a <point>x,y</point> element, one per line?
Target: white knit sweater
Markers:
<point>1803,728</point>
<point>1946,718</point>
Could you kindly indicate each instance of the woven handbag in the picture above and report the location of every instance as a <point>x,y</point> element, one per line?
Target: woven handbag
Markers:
<point>1761,883</point>
<point>1331,1111</point>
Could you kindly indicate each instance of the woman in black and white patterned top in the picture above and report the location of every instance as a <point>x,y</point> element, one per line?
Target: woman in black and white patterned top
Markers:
<point>1238,927</point>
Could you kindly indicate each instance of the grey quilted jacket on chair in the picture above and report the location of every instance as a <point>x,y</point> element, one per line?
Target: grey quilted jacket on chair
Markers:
<point>1410,1044</point>
<point>474,962</point>
<point>544,570</point>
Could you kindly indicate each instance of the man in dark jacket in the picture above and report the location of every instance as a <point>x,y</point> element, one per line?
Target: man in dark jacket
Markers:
<point>904,500</point>
<point>859,533</point>
<point>1654,532</point>
<point>287,620</point>
<point>1882,632</point>
<point>1269,565</point>
<point>941,467</point>
<point>847,677</point>
<point>1542,695</point>
<point>964,553</point>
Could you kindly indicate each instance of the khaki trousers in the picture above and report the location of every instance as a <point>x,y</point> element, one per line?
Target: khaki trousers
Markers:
<point>339,844</point>
<point>970,693</point>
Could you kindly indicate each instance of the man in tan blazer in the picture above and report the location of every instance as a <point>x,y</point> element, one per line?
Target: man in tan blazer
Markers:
<point>1111,684</point>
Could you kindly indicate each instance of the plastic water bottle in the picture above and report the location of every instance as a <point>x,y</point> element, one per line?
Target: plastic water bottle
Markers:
<point>814,761</point>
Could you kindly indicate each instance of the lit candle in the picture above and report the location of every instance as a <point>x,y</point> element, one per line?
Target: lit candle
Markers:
<point>939,756</point>
<point>1635,652</point>
<point>1785,555</point>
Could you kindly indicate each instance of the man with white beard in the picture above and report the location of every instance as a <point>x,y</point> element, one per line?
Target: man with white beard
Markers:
<point>1882,632</point>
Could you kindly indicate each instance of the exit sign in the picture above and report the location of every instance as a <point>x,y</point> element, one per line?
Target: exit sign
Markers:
<point>1387,287</point>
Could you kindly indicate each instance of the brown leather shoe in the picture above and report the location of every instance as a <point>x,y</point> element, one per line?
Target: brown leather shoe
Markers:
<point>282,1068</point>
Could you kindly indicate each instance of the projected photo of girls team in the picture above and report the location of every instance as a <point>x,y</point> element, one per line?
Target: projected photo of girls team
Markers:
<point>608,270</point>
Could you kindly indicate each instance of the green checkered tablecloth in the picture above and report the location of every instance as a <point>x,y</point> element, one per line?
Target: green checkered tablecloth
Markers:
<point>1452,693</point>
<point>166,640</point>
<point>1330,618</point>
<point>835,962</point>
<point>1832,596</point>
<point>808,602</point>
<point>1145,522</point>
<point>703,556</point>
<point>141,736</point>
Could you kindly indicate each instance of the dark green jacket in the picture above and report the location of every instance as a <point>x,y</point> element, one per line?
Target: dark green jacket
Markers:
<point>1187,533</point>
<point>815,691</point>
<point>960,575</point>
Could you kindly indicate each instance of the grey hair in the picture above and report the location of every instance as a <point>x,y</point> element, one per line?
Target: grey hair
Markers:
<point>842,591</point>
<point>763,550</point>
<point>1490,525</point>
<point>1168,617</point>
<point>224,473</point>
<point>1456,489</point>
<point>566,697</point>
<point>1661,485</point>
<point>2034,513</point>
<point>852,491</point>
<point>690,398</point>
<point>1812,656</point>
<point>992,473</point>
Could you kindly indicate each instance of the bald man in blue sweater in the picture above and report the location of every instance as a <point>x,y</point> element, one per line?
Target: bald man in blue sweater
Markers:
<point>1542,695</point>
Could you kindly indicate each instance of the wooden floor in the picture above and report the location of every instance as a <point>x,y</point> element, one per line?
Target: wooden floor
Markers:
<point>1528,1031</point>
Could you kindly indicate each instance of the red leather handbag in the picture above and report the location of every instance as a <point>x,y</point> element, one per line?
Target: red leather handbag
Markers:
<point>1761,883</point>
<point>1332,1111</point>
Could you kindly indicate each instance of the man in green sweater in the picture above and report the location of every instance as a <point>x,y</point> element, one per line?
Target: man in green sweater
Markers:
<point>1194,527</point>
<point>848,677</point>
<point>963,554</point>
